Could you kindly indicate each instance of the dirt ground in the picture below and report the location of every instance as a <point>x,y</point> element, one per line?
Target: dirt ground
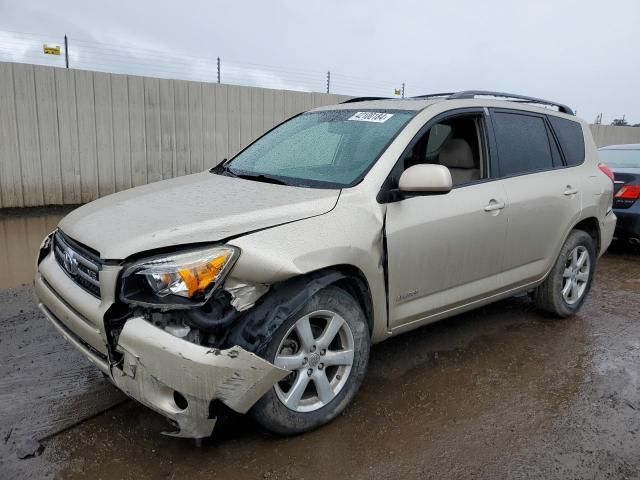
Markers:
<point>502,392</point>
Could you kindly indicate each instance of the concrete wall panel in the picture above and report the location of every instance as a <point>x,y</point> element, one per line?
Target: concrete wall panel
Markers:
<point>10,172</point>
<point>195,127</point>
<point>137,131</point>
<point>221,133</point>
<point>152,129</point>
<point>104,134</point>
<point>209,124</point>
<point>48,135</point>
<point>121,132</point>
<point>167,130</point>
<point>608,135</point>
<point>181,112</point>
<point>86,109</point>
<point>28,135</point>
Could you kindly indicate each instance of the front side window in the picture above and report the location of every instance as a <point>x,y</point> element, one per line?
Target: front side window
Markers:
<point>320,149</point>
<point>457,143</point>
<point>522,142</point>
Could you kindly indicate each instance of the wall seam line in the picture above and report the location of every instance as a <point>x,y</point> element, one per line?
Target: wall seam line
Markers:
<point>15,106</point>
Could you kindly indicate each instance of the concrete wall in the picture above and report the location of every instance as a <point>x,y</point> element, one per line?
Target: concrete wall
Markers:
<point>71,136</point>
<point>609,135</point>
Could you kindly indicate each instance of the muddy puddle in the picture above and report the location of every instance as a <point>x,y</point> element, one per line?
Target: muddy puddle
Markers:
<point>21,232</point>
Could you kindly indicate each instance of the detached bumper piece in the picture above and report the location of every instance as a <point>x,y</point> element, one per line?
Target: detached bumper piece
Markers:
<point>179,379</point>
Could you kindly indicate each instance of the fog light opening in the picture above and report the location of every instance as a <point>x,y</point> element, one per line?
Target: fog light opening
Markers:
<point>180,401</point>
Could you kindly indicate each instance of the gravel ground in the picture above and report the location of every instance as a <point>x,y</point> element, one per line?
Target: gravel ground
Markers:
<point>502,392</point>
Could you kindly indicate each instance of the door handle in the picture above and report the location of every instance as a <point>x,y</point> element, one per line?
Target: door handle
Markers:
<point>570,191</point>
<point>493,206</point>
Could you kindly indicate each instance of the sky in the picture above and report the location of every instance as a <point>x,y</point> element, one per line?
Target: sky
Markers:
<point>583,53</point>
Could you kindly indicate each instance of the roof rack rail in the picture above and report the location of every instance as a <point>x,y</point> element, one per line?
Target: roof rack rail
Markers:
<point>514,97</point>
<point>365,99</point>
<point>507,96</point>
<point>433,95</point>
<point>510,96</point>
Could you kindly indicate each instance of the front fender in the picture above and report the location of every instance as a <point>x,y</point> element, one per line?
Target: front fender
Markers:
<point>351,234</point>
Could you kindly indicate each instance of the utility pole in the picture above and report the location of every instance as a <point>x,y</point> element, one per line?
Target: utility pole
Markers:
<point>402,89</point>
<point>328,81</point>
<point>66,51</point>
<point>218,69</point>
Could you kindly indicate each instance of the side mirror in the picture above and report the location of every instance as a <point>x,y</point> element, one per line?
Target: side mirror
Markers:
<point>425,179</point>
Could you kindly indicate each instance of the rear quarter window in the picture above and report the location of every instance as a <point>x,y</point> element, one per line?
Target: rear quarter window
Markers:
<point>569,134</point>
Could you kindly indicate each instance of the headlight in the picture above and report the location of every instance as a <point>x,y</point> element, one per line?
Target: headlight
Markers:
<point>184,279</point>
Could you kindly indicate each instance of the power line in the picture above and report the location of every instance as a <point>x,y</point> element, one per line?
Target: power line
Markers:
<point>25,47</point>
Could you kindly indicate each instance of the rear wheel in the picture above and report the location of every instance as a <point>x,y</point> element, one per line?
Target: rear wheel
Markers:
<point>565,289</point>
<point>326,347</point>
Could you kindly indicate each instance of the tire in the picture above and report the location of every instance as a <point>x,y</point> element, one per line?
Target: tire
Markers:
<point>550,295</point>
<point>329,305</point>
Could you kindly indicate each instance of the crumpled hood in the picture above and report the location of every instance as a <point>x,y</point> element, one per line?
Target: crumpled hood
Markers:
<point>203,207</point>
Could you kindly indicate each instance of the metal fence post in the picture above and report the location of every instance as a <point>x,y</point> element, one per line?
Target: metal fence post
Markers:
<point>402,89</point>
<point>328,81</point>
<point>218,69</point>
<point>66,51</point>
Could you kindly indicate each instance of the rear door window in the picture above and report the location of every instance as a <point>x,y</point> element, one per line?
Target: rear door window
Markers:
<point>569,134</point>
<point>522,142</point>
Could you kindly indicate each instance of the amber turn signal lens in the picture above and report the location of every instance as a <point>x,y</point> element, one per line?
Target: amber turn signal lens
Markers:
<point>197,279</point>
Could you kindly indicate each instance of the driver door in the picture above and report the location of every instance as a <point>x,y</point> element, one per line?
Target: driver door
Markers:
<point>445,251</point>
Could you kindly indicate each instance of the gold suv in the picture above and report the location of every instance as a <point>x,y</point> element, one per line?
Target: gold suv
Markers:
<point>260,285</point>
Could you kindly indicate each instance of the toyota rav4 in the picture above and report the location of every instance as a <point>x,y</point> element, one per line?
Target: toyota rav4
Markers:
<point>260,285</point>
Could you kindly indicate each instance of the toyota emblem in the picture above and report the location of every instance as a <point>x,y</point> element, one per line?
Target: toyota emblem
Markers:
<point>70,263</point>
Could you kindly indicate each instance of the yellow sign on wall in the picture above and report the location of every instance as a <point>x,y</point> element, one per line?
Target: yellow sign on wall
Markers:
<point>51,50</point>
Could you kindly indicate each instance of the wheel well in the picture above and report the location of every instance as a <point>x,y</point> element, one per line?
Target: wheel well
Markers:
<point>592,227</point>
<point>355,283</point>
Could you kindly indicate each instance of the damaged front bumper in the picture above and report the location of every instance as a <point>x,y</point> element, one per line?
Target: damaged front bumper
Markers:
<point>172,376</point>
<point>180,380</point>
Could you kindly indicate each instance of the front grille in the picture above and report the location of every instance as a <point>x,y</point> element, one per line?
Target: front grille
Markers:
<point>78,263</point>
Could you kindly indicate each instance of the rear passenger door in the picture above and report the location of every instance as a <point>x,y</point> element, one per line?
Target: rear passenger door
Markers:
<point>543,197</point>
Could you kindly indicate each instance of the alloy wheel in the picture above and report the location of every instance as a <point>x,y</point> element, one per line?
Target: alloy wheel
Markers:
<point>319,350</point>
<point>575,276</point>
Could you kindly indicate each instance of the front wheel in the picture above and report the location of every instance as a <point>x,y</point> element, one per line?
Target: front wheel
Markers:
<point>563,292</point>
<point>326,347</point>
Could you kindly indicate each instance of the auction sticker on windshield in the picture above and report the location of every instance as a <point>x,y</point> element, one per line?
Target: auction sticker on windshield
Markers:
<point>376,117</point>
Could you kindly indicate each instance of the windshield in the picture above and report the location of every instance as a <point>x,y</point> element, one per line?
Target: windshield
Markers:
<point>621,158</point>
<point>320,149</point>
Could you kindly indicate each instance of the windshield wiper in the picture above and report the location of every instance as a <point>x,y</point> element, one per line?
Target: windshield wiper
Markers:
<point>259,178</point>
<point>223,169</point>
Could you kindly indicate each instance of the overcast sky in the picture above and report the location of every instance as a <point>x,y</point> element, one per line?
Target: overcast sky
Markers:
<point>584,53</point>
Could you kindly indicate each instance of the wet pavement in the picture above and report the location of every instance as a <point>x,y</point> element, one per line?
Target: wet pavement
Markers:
<point>502,392</point>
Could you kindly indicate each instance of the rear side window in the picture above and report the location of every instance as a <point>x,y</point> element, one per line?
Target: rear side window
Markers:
<point>523,143</point>
<point>571,140</point>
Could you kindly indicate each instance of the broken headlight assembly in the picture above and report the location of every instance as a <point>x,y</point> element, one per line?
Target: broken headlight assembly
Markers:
<point>184,279</point>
